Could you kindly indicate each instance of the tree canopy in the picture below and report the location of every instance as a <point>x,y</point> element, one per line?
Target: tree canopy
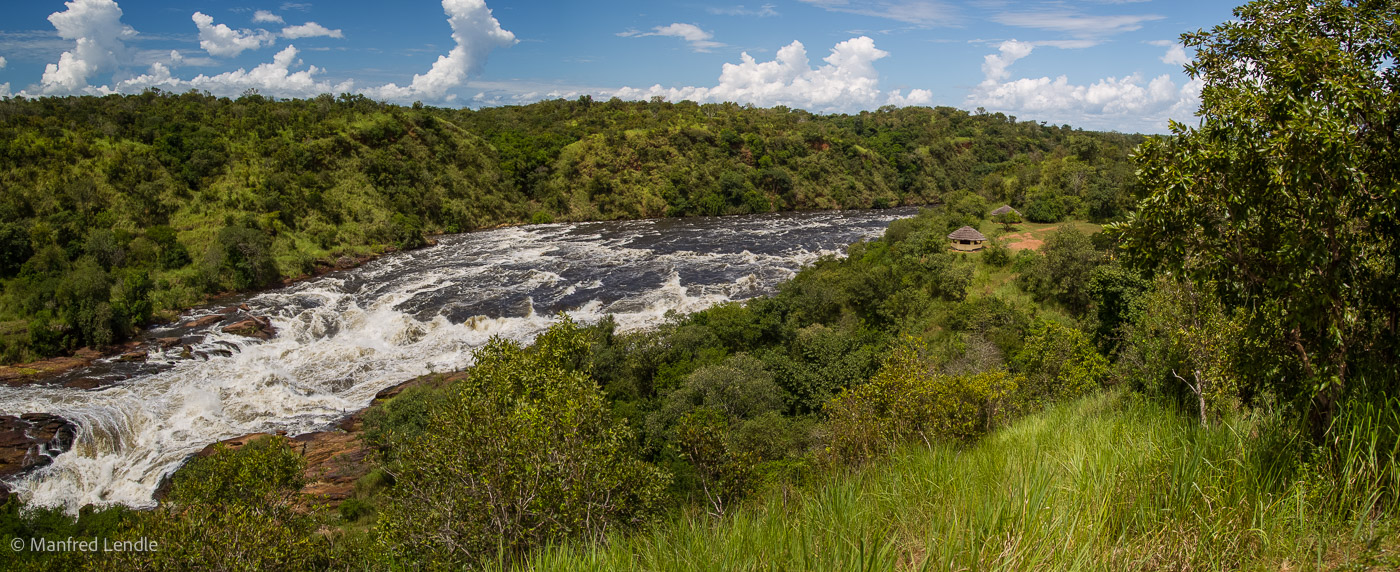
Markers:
<point>1284,198</point>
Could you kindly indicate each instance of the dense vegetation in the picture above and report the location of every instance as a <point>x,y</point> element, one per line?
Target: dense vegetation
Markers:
<point>119,210</point>
<point>1210,383</point>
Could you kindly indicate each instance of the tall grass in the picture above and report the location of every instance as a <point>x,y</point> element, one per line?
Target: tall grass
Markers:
<point>1109,482</point>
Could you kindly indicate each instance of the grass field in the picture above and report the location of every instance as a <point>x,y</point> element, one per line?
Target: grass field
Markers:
<point>1109,482</point>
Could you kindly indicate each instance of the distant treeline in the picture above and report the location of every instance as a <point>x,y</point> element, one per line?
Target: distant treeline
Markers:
<point>120,210</point>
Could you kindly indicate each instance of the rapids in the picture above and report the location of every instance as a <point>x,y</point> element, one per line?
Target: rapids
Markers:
<point>347,335</point>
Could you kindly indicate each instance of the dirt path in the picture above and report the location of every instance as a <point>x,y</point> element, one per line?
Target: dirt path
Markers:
<point>1026,240</point>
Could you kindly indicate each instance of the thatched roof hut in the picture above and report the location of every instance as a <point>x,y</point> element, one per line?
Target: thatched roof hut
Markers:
<point>1005,209</point>
<point>967,238</point>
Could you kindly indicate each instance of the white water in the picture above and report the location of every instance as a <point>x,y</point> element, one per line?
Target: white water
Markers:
<point>344,337</point>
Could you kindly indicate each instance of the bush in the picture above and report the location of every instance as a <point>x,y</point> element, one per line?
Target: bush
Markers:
<point>259,473</point>
<point>236,509</point>
<point>725,475</point>
<point>524,451</point>
<point>907,401</point>
<point>996,254</point>
<point>1059,363</point>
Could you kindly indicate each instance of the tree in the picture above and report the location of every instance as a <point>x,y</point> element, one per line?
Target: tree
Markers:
<point>1064,270</point>
<point>1008,220</point>
<point>1283,200</point>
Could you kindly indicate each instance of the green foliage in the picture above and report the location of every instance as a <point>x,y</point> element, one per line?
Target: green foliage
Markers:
<point>333,176</point>
<point>1059,363</point>
<point>724,474</point>
<point>1064,269</point>
<point>1182,345</point>
<point>996,254</point>
<point>1007,220</point>
<point>1282,200</point>
<point>907,401</point>
<point>231,510</point>
<point>54,524</point>
<point>256,474</point>
<point>524,452</point>
<point>1114,290</point>
<point>240,258</point>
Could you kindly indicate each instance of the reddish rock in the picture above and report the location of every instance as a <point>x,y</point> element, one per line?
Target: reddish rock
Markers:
<point>167,343</point>
<point>255,327</point>
<point>139,355</point>
<point>26,373</point>
<point>205,321</point>
<point>31,441</point>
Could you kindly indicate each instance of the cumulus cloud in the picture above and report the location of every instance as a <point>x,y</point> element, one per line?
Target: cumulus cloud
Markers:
<point>98,34</point>
<point>3,62</point>
<point>220,40</point>
<point>847,82</point>
<point>1131,102</point>
<point>920,12</point>
<point>699,40</point>
<point>1176,55</point>
<point>310,30</point>
<point>273,78</point>
<point>994,65</point>
<point>476,32</point>
<point>265,17</point>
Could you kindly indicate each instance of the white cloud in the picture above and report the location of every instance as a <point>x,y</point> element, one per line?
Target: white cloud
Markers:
<point>1110,103</point>
<point>1176,56</point>
<point>699,40</point>
<point>994,65</point>
<point>220,40</point>
<point>764,11</point>
<point>3,62</point>
<point>274,78</point>
<point>476,32</point>
<point>921,12</point>
<point>301,6</point>
<point>97,31</point>
<point>310,30</point>
<point>1075,24</point>
<point>847,82</point>
<point>265,17</point>
<point>5,89</point>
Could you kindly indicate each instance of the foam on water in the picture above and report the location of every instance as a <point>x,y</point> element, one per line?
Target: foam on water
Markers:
<point>346,336</point>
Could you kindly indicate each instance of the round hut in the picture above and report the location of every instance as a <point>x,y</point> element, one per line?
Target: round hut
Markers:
<point>967,239</point>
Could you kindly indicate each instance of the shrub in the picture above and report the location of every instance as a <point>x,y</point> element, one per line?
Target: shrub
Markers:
<point>724,474</point>
<point>523,451</point>
<point>261,473</point>
<point>907,401</point>
<point>235,509</point>
<point>997,254</point>
<point>1059,362</point>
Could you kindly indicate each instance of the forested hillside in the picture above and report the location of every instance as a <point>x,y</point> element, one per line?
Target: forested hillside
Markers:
<point>120,210</point>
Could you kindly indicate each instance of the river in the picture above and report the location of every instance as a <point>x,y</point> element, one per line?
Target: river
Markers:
<point>345,336</point>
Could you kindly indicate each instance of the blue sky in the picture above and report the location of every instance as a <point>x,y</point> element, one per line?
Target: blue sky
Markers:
<point>1096,64</point>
